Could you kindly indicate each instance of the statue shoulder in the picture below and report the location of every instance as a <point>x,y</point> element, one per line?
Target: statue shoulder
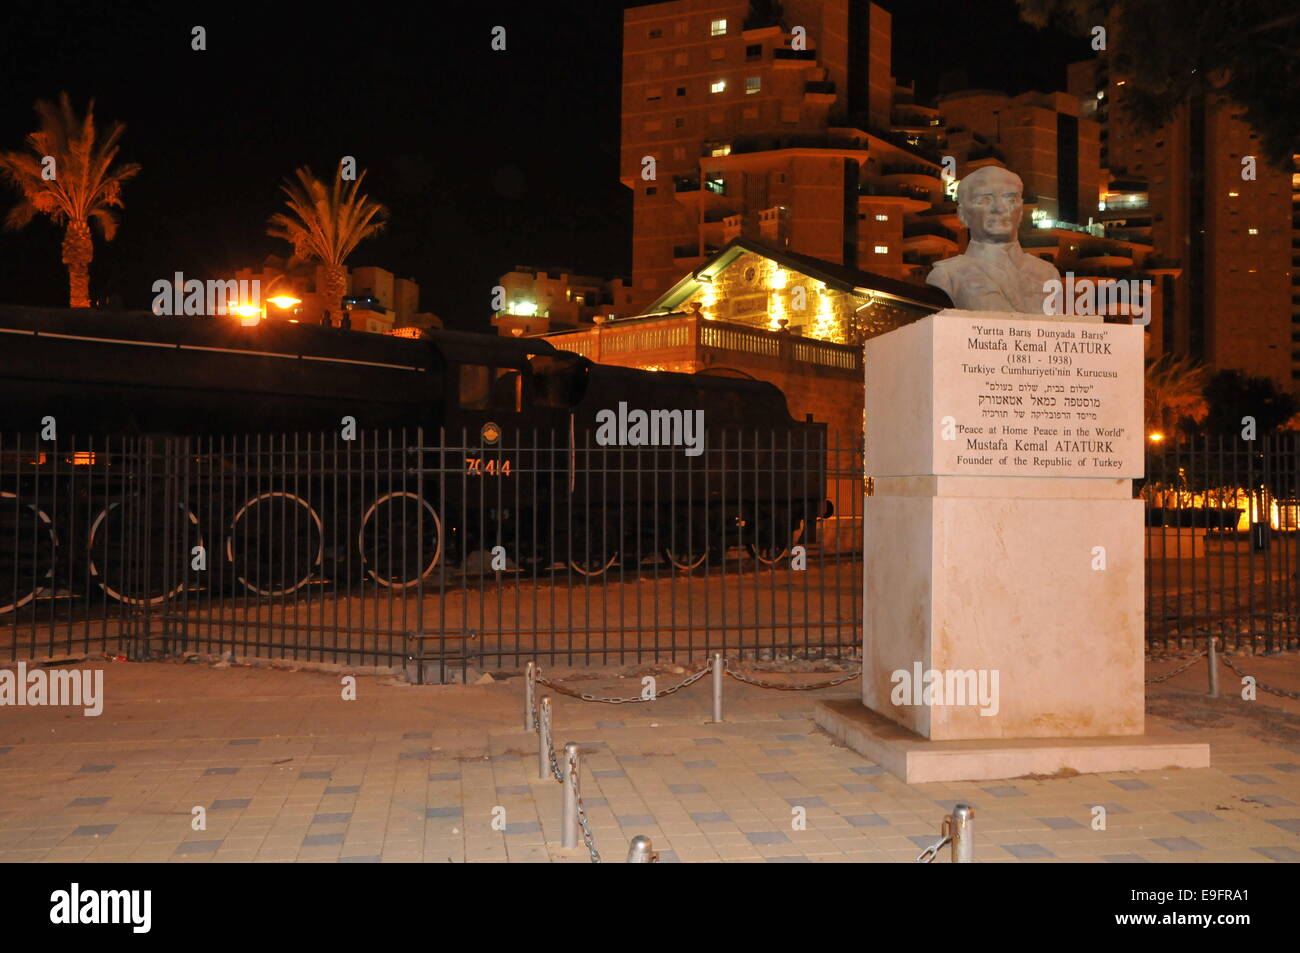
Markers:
<point>1040,267</point>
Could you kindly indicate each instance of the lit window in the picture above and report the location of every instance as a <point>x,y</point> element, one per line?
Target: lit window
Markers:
<point>1233,195</point>
<point>753,84</point>
<point>718,28</point>
<point>720,149</point>
<point>882,218</point>
<point>882,249</point>
<point>1253,231</point>
<point>720,86</point>
<point>656,34</point>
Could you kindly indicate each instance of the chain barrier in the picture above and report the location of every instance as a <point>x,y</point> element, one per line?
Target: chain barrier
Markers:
<point>544,725</point>
<point>1281,692</point>
<point>582,815</point>
<point>927,856</point>
<point>1178,671</point>
<point>750,680</point>
<point>613,700</point>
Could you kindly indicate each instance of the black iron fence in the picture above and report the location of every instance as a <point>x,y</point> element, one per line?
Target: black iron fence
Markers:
<point>430,553</point>
<point>435,554</point>
<point>1222,521</point>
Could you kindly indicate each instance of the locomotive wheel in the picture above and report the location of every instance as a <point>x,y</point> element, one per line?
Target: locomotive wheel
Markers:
<point>592,553</point>
<point>769,548</point>
<point>390,548</point>
<point>116,556</point>
<point>263,558</point>
<point>27,552</point>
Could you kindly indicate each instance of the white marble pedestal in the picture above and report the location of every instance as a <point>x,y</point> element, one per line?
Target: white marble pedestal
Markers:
<point>1003,598</point>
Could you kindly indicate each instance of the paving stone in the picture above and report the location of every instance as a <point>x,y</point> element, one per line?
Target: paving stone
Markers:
<point>1124,859</point>
<point>340,818</point>
<point>1286,855</point>
<point>1254,779</point>
<point>510,790</point>
<point>791,737</point>
<point>430,812</point>
<point>795,859</point>
<point>94,830</point>
<point>866,820</point>
<point>1288,767</point>
<point>417,736</point>
<point>610,773</point>
<point>636,820</point>
<point>1004,790</point>
<point>1060,823</point>
<point>445,776</point>
<point>1177,843</point>
<point>244,741</point>
<point>322,840</point>
<point>860,787</point>
<point>96,768</point>
<point>1112,807</point>
<point>669,857</point>
<point>1131,784</point>
<point>686,788</point>
<point>595,802</point>
<point>1199,817</point>
<point>362,859</point>
<point>218,771</point>
<point>808,801</point>
<point>868,769</point>
<point>415,756</point>
<point>778,752</point>
<point>767,837</point>
<point>343,789</point>
<point>1291,824</point>
<point>197,847</point>
<point>1269,800</point>
<point>505,758</point>
<point>88,801</point>
<point>314,775</point>
<point>609,724</point>
<point>708,741</point>
<point>698,765</point>
<point>711,817</point>
<point>525,827</point>
<point>231,804</point>
<point>776,776</point>
<point>1027,851</point>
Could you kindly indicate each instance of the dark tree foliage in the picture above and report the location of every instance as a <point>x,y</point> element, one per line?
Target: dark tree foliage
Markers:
<point>1232,395</point>
<point>1248,50</point>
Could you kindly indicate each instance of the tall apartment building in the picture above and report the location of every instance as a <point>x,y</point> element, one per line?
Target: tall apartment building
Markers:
<point>1231,243</point>
<point>741,121</point>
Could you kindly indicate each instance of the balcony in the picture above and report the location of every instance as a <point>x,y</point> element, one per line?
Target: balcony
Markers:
<point>821,90</point>
<point>771,143</point>
<point>793,57</point>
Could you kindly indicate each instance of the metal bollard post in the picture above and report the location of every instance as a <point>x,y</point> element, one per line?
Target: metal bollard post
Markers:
<point>1212,657</point>
<point>544,739</point>
<point>719,668</point>
<point>569,820</point>
<point>641,851</point>
<point>962,828</point>
<point>530,695</point>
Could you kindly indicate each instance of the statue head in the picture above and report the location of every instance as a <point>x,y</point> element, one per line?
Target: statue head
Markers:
<point>990,202</point>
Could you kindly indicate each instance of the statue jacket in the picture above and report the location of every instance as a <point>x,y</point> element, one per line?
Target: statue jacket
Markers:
<point>994,277</point>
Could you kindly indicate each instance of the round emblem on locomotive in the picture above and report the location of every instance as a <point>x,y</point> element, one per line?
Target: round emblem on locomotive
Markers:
<point>491,432</point>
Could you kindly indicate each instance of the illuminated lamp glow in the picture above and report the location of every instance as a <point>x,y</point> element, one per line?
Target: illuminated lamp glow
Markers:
<point>524,308</point>
<point>285,301</point>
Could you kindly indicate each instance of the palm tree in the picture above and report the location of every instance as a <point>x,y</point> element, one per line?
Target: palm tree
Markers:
<point>1174,389</point>
<point>84,185</point>
<point>325,225</point>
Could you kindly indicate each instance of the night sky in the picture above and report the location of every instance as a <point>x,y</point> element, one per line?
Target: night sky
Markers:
<point>485,159</point>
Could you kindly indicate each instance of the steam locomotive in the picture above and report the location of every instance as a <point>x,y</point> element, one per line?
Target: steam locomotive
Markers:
<point>245,440</point>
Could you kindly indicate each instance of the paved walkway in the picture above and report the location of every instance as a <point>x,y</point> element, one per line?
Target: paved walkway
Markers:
<point>286,770</point>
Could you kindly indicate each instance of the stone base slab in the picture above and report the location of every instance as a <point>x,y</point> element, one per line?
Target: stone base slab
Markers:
<point>916,760</point>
